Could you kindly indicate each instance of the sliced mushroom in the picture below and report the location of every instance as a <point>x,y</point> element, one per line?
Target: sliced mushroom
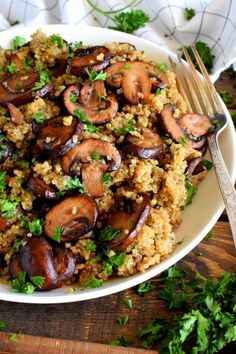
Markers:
<point>129,224</point>
<point>56,138</point>
<point>37,257</point>
<point>17,89</point>
<point>93,58</point>
<point>40,188</point>
<point>172,127</point>
<point>6,148</point>
<point>195,167</point>
<point>103,109</point>
<point>196,125</point>
<point>149,146</point>
<point>75,216</point>
<point>109,159</point>
<point>136,79</point>
<point>16,115</point>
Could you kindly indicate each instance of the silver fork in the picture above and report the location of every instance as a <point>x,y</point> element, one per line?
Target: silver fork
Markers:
<point>201,97</point>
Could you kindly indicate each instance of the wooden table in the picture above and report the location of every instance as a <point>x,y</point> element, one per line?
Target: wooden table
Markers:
<point>95,320</point>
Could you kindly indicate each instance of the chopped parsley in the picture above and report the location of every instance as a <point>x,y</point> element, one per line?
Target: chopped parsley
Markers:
<point>190,192</point>
<point>91,246</point>
<point>106,179</point>
<point>94,75</point>
<point>130,21</point>
<point>92,283</point>
<point>57,234</point>
<point>117,260</point>
<point>74,183</point>
<point>39,117</point>
<point>73,98</point>
<point>101,97</point>
<point>182,141</point>
<point>145,287</point>
<point>11,68</point>
<point>21,285</point>
<point>22,164</point>
<point>122,321</point>
<point>163,67</point>
<point>189,13</point>
<point>13,337</point>
<point>120,342</point>
<point>129,127</point>
<point>205,53</point>
<point>128,303</point>
<point>3,182</point>
<point>95,155</point>
<point>36,227</point>
<point>158,91</point>
<point>127,66</point>
<point>18,243</point>
<point>226,97</point>
<point>3,324</point>
<point>28,63</point>
<point>208,164</point>
<point>8,208</point>
<point>78,45</point>
<point>80,115</point>
<point>44,78</point>
<point>208,235</point>
<point>18,41</point>
<point>57,40</point>
<point>109,234</point>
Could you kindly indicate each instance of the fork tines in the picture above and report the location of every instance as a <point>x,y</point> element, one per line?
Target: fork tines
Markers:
<point>202,96</point>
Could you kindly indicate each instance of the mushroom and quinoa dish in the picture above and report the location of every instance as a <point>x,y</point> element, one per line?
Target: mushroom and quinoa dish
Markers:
<point>98,158</point>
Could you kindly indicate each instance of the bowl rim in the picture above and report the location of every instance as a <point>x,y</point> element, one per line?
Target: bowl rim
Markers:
<point>109,287</point>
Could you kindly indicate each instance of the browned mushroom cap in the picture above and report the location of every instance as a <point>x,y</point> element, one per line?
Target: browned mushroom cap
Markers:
<point>129,224</point>
<point>136,79</point>
<point>17,89</point>
<point>16,115</point>
<point>108,159</point>
<point>57,138</point>
<point>37,257</point>
<point>93,58</point>
<point>172,127</point>
<point>103,109</point>
<point>149,146</point>
<point>196,125</point>
<point>6,148</point>
<point>40,188</point>
<point>75,216</point>
<point>195,166</point>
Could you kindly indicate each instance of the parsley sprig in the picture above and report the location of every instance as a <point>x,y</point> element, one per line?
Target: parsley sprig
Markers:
<point>205,53</point>
<point>80,115</point>
<point>21,285</point>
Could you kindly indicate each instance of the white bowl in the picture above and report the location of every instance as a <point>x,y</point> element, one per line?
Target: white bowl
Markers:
<point>198,218</point>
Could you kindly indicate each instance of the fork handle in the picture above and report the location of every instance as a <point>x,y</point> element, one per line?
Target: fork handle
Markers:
<point>226,186</point>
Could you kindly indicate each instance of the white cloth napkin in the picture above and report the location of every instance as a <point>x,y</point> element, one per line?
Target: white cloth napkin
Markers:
<point>214,22</point>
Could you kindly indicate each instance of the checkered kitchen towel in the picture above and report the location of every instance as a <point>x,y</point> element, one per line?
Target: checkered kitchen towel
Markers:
<point>214,22</point>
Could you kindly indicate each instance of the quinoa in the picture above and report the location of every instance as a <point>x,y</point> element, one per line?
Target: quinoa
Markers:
<point>162,179</point>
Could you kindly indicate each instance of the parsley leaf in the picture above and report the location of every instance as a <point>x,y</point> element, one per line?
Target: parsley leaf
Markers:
<point>39,117</point>
<point>226,97</point>
<point>208,164</point>
<point>73,98</point>
<point>94,75</point>
<point>130,21</point>
<point>121,342</point>
<point>80,115</point>
<point>205,53</point>
<point>189,13</point>
<point>117,260</point>
<point>44,78</point>
<point>36,227</point>
<point>20,285</point>
<point>92,283</point>
<point>163,67</point>
<point>18,243</point>
<point>130,126</point>
<point>91,246</point>
<point>3,324</point>
<point>57,234</point>
<point>128,303</point>
<point>106,179</point>
<point>145,287</point>
<point>18,41</point>
<point>109,234</point>
<point>122,321</point>
<point>37,281</point>
<point>78,45</point>
<point>95,155</point>
<point>74,183</point>
<point>8,208</point>
<point>3,182</point>
<point>191,191</point>
<point>11,68</point>
<point>57,40</point>
<point>182,141</point>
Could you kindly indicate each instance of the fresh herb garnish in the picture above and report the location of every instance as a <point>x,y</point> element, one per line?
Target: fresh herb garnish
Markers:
<point>3,182</point>
<point>127,128</point>
<point>8,208</point>
<point>205,53</point>
<point>145,287</point>
<point>22,164</point>
<point>18,243</point>
<point>182,141</point>
<point>208,235</point>
<point>20,285</point>
<point>127,66</point>
<point>158,91</point>
<point>109,234</point>
<point>94,75</point>
<point>190,192</point>
<point>163,67</point>
<point>106,179</point>
<point>80,115</point>
<point>36,227</point>
<point>154,331</point>
<point>92,283</point>
<point>122,321</point>
<point>57,234</point>
<point>130,21</point>
<point>18,41</point>
<point>226,97</point>
<point>37,281</point>
<point>3,324</point>
<point>11,68</point>
<point>117,260</point>
<point>120,342</point>
<point>28,63</point>
<point>101,96</point>
<point>13,337</point>
<point>128,303</point>
<point>91,246</point>
<point>57,40</point>
<point>189,13</point>
<point>74,183</point>
<point>95,155</point>
<point>39,117</point>
<point>208,164</point>
<point>73,98</point>
<point>44,78</point>
<point>78,45</point>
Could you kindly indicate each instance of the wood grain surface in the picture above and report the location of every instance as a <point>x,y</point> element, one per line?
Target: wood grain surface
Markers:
<point>96,320</point>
